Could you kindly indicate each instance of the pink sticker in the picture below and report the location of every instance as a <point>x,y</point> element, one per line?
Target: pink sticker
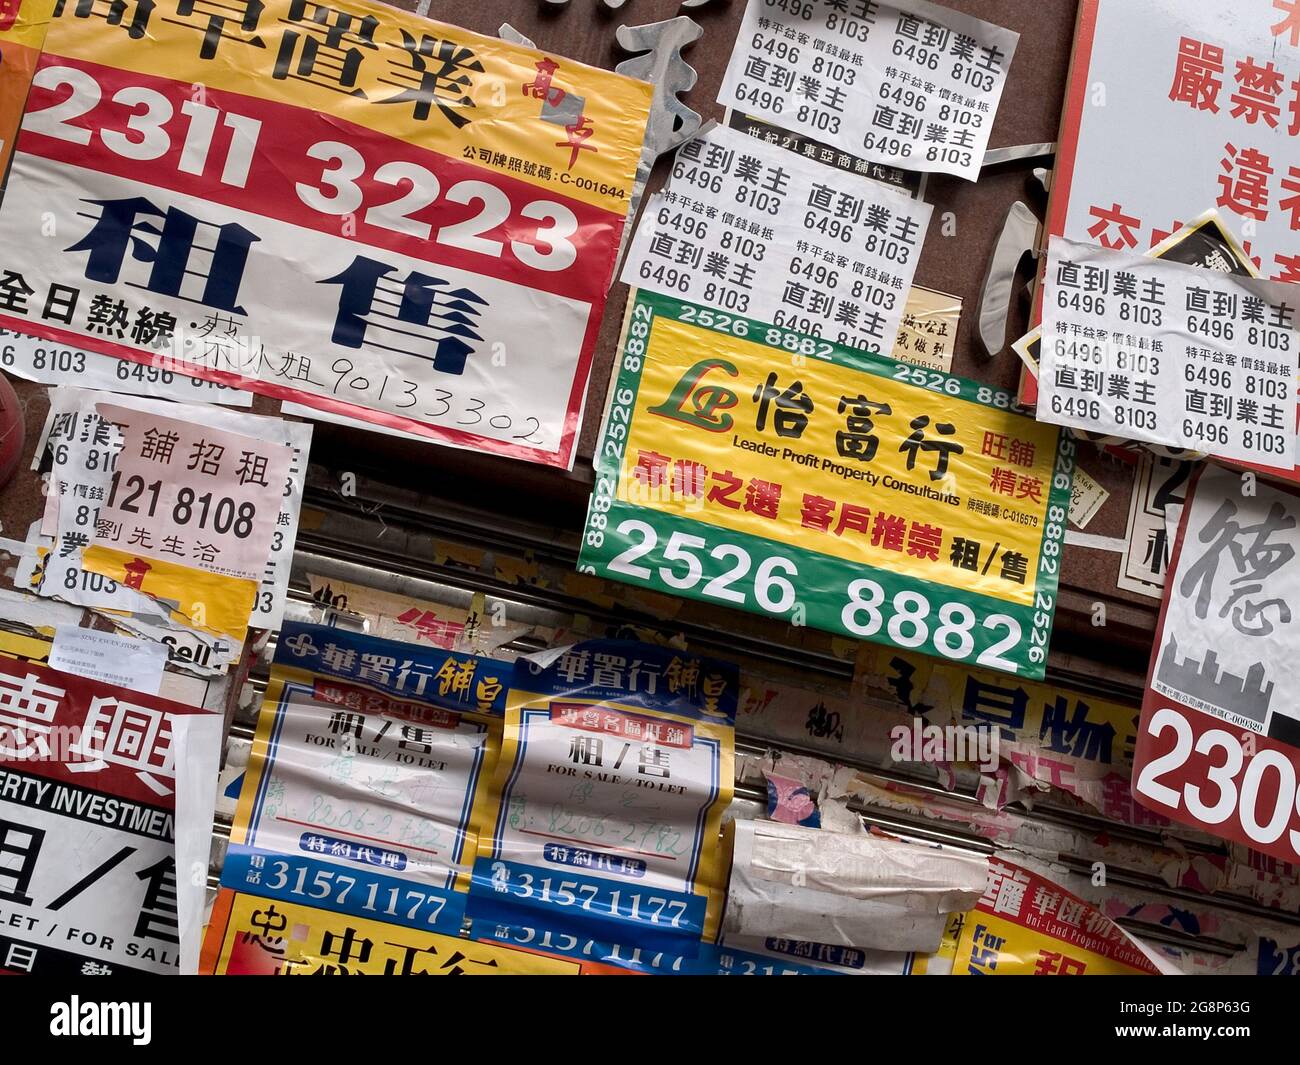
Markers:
<point>790,802</point>
<point>193,495</point>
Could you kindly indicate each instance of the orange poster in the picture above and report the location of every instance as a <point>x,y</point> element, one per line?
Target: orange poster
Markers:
<point>22,32</point>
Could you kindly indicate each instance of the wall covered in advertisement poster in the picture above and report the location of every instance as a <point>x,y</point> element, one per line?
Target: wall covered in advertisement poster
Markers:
<point>416,232</point>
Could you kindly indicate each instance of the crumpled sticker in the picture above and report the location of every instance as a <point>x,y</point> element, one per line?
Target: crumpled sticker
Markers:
<point>790,802</point>
<point>206,601</point>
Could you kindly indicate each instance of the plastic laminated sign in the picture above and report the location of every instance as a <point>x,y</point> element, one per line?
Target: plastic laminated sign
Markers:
<point>254,936</point>
<point>352,208</point>
<point>88,775</point>
<point>1219,740</point>
<point>361,783</point>
<point>600,836</point>
<point>1027,925</point>
<point>746,465</point>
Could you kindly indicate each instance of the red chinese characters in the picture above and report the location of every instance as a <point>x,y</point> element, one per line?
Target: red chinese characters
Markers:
<point>601,719</point>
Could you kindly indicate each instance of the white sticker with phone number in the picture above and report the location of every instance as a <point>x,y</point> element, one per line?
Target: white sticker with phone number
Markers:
<point>48,363</point>
<point>74,469</point>
<point>914,84</point>
<point>748,227</point>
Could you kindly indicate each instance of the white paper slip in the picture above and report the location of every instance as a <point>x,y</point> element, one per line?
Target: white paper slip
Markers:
<point>108,657</point>
<point>78,458</point>
<point>1158,484</point>
<point>48,363</point>
<point>753,230</point>
<point>1086,498</point>
<point>913,84</point>
<point>1170,354</point>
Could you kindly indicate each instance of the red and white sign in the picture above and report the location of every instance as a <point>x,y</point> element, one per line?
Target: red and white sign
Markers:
<point>193,494</point>
<point>88,782</point>
<point>1221,82</point>
<point>433,259</point>
<point>1219,740</point>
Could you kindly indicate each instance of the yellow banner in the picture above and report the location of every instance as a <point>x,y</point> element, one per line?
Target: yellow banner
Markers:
<point>728,432</point>
<point>251,936</point>
<point>574,129</point>
<point>1064,720</point>
<point>940,963</point>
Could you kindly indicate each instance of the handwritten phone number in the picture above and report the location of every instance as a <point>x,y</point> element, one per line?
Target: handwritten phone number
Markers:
<point>347,180</point>
<point>446,407</point>
<point>640,836</point>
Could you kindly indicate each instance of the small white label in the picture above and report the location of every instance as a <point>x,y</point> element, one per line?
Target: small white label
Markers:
<point>108,657</point>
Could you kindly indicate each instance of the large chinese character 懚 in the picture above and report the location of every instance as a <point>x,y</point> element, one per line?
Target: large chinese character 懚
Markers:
<point>1254,558</point>
<point>220,20</point>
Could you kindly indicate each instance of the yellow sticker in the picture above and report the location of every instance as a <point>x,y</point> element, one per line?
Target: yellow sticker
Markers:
<point>206,601</point>
<point>252,936</point>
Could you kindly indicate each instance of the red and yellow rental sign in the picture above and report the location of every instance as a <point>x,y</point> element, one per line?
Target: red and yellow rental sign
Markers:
<point>1027,925</point>
<point>347,206</point>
